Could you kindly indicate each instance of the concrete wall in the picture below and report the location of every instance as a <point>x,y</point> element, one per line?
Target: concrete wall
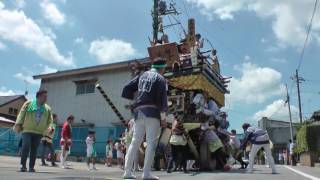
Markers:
<point>17,104</point>
<point>279,131</point>
<point>280,135</point>
<point>269,123</point>
<point>90,107</point>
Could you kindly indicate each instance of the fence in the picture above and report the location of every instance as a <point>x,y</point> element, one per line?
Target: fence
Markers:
<point>9,140</point>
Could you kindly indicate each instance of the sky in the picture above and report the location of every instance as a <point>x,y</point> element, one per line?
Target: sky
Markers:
<point>259,44</point>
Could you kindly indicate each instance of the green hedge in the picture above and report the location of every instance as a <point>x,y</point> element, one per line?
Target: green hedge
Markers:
<point>307,139</point>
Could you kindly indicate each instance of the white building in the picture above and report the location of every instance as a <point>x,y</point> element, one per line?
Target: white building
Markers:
<point>73,92</point>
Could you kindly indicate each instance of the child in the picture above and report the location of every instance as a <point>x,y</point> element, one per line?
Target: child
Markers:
<point>91,150</point>
<point>120,155</point>
<point>66,140</point>
<point>109,155</point>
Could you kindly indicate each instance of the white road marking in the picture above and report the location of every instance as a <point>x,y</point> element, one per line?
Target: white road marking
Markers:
<point>302,173</point>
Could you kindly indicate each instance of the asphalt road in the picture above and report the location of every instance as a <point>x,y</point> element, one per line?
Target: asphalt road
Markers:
<point>9,167</point>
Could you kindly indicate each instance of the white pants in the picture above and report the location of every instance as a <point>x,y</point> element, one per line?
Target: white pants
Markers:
<point>136,160</point>
<point>63,158</point>
<point>142,126</point>
<point>255,148</point>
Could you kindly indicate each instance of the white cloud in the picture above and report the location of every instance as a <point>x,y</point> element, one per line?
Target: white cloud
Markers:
<point>27,78</point>
<point>224,9</point>
<point>44,69</point>
<point>263,40</point>
<point>48,31</point>
<point>256,84</point>
<point>289,17</point>
<point>52,13</point>
<point>277,110</point>
<point>15,26</point>
<point>47,70</point>
<point>1,5</point>
<point>2,46</point>
<point>111,50</point>
<point>27,74</point>
<point>6,92</point>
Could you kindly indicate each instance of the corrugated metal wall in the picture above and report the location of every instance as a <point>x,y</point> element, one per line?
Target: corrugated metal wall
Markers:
<point>9,142</point>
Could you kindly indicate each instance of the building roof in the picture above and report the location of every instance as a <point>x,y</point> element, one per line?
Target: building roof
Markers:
<point>316,116</point>
<point>279,121</point>
<point>8,99</point>
<point>4,122</point>
<point>91,69</point>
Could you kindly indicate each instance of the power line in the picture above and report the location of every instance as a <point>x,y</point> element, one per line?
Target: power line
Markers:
<point>308,33</point>
<point>298,79</point>
<point>178,21</point>
<point>185,8</point>
<point>174,28</point>
<point>312,80</point>
<point>313,93</point>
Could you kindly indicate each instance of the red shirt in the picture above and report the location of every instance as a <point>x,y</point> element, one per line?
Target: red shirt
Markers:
<point>66,131</point>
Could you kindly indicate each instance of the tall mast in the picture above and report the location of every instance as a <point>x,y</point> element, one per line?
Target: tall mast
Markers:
<point>155,24</point>
<point>160,9</point>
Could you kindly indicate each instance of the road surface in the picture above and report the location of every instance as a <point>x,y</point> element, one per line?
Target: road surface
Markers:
<point>9,167</point>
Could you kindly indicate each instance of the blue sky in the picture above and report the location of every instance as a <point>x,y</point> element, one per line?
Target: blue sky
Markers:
<point>258,43</point>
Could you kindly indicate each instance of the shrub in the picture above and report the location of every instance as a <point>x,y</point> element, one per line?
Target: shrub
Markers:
<point>308,139</point>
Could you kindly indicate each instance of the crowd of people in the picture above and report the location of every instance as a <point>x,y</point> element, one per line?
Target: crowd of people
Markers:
<point>38,124</point>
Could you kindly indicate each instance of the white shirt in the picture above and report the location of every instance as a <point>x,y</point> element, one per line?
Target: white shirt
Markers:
<point>89,142</point>
<point>118,148</point>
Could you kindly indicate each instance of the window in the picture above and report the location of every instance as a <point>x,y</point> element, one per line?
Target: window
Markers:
<point>85,87</point>
<point>10,110</point>
<point>15,111</point>
<point>81,88</point>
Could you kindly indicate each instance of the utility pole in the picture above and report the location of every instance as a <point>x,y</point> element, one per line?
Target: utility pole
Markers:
<point>290,117</point>
<point>155,15</point>
<point>160,9</point>
<point>298,81</point>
